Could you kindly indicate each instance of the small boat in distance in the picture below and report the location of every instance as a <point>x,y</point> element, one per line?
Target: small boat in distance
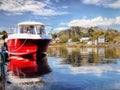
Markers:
<point>28,47</point>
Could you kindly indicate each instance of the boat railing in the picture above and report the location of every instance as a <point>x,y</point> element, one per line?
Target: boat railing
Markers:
<point>48,29</point>
<point>12,30</point>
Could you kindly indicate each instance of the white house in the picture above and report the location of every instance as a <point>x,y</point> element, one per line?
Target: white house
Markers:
<point>69,40</point>
<point>86,39</point>
<point>101,39</point>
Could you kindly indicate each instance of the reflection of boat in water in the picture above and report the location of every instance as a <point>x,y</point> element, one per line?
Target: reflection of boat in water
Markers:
<point>26,72</point>
<point>27,48</point>
<point>21,77</point>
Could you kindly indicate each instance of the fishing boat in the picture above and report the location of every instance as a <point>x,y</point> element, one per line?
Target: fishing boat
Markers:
<point>27,48</point>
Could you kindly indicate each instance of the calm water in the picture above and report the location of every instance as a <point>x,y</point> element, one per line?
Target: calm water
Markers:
<point>77,69</point>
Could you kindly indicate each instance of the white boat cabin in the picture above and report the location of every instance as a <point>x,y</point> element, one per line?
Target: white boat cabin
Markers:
<point>31,28</point>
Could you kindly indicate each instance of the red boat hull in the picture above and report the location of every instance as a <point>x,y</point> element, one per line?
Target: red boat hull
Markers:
<point>26,55</point>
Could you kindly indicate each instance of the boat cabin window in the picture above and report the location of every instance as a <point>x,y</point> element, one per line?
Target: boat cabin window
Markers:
<point>27,29</point>
<point>40,30</point>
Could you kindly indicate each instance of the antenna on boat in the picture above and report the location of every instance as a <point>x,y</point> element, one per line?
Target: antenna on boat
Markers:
<point>51,29</point>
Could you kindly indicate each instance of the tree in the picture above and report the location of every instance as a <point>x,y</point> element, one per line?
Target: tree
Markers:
<point>3,32</point>
<point>54,36</point>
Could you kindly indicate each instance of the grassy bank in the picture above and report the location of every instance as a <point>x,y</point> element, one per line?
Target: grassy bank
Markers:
<point>82,45</point>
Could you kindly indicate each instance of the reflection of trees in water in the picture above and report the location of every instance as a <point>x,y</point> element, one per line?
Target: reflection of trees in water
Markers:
<point>91,58</point>
<point>112,52</point>
<point>57,52</point>
<point>83,57</point>
<point>76,59</point>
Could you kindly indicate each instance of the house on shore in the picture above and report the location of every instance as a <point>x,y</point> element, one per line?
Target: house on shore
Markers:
<point>56,40</point>
<point>101,39</point>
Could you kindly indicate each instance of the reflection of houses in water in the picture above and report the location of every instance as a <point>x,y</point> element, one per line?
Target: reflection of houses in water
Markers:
<point>55,52</point>
<point>88,56</point>
<point>91,55</point>
<point>80,56</point>
<point>117,52</point>
<point>83,56</point>
<point>70,50</point>
<point>101,52</point>
<point>85,51</point>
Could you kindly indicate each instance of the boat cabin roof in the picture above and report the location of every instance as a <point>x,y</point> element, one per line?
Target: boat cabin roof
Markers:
<point>30,23</point>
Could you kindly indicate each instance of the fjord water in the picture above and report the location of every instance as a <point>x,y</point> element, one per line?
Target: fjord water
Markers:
<point>78,69</point>
<point>85,68</point>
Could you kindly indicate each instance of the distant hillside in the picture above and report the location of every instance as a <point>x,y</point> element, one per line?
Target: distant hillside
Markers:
<point>75,33</point>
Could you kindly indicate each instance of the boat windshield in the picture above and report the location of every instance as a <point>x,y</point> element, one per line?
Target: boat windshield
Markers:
<point>37,29</point>
<point>27,29</point>
<point>40,29</point>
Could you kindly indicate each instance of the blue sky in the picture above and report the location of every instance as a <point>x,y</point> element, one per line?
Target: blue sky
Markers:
<point>61,13</point>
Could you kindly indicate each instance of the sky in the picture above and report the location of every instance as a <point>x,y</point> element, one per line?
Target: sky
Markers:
<point>61,14</point>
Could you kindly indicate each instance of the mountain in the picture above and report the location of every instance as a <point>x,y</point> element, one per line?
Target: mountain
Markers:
<point>75,33</point>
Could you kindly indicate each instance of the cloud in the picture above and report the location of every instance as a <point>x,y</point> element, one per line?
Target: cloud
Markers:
<point>104,3</point>
<point>33,6</point>
<point>98,21</point>
<point>64,24</point>
<point>115,4</point>
<point>60,29</point>
<point>64,7</point>
<point>97,70</point>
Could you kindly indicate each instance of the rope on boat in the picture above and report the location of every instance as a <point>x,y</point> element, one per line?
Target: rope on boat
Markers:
<point>20,46</point>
